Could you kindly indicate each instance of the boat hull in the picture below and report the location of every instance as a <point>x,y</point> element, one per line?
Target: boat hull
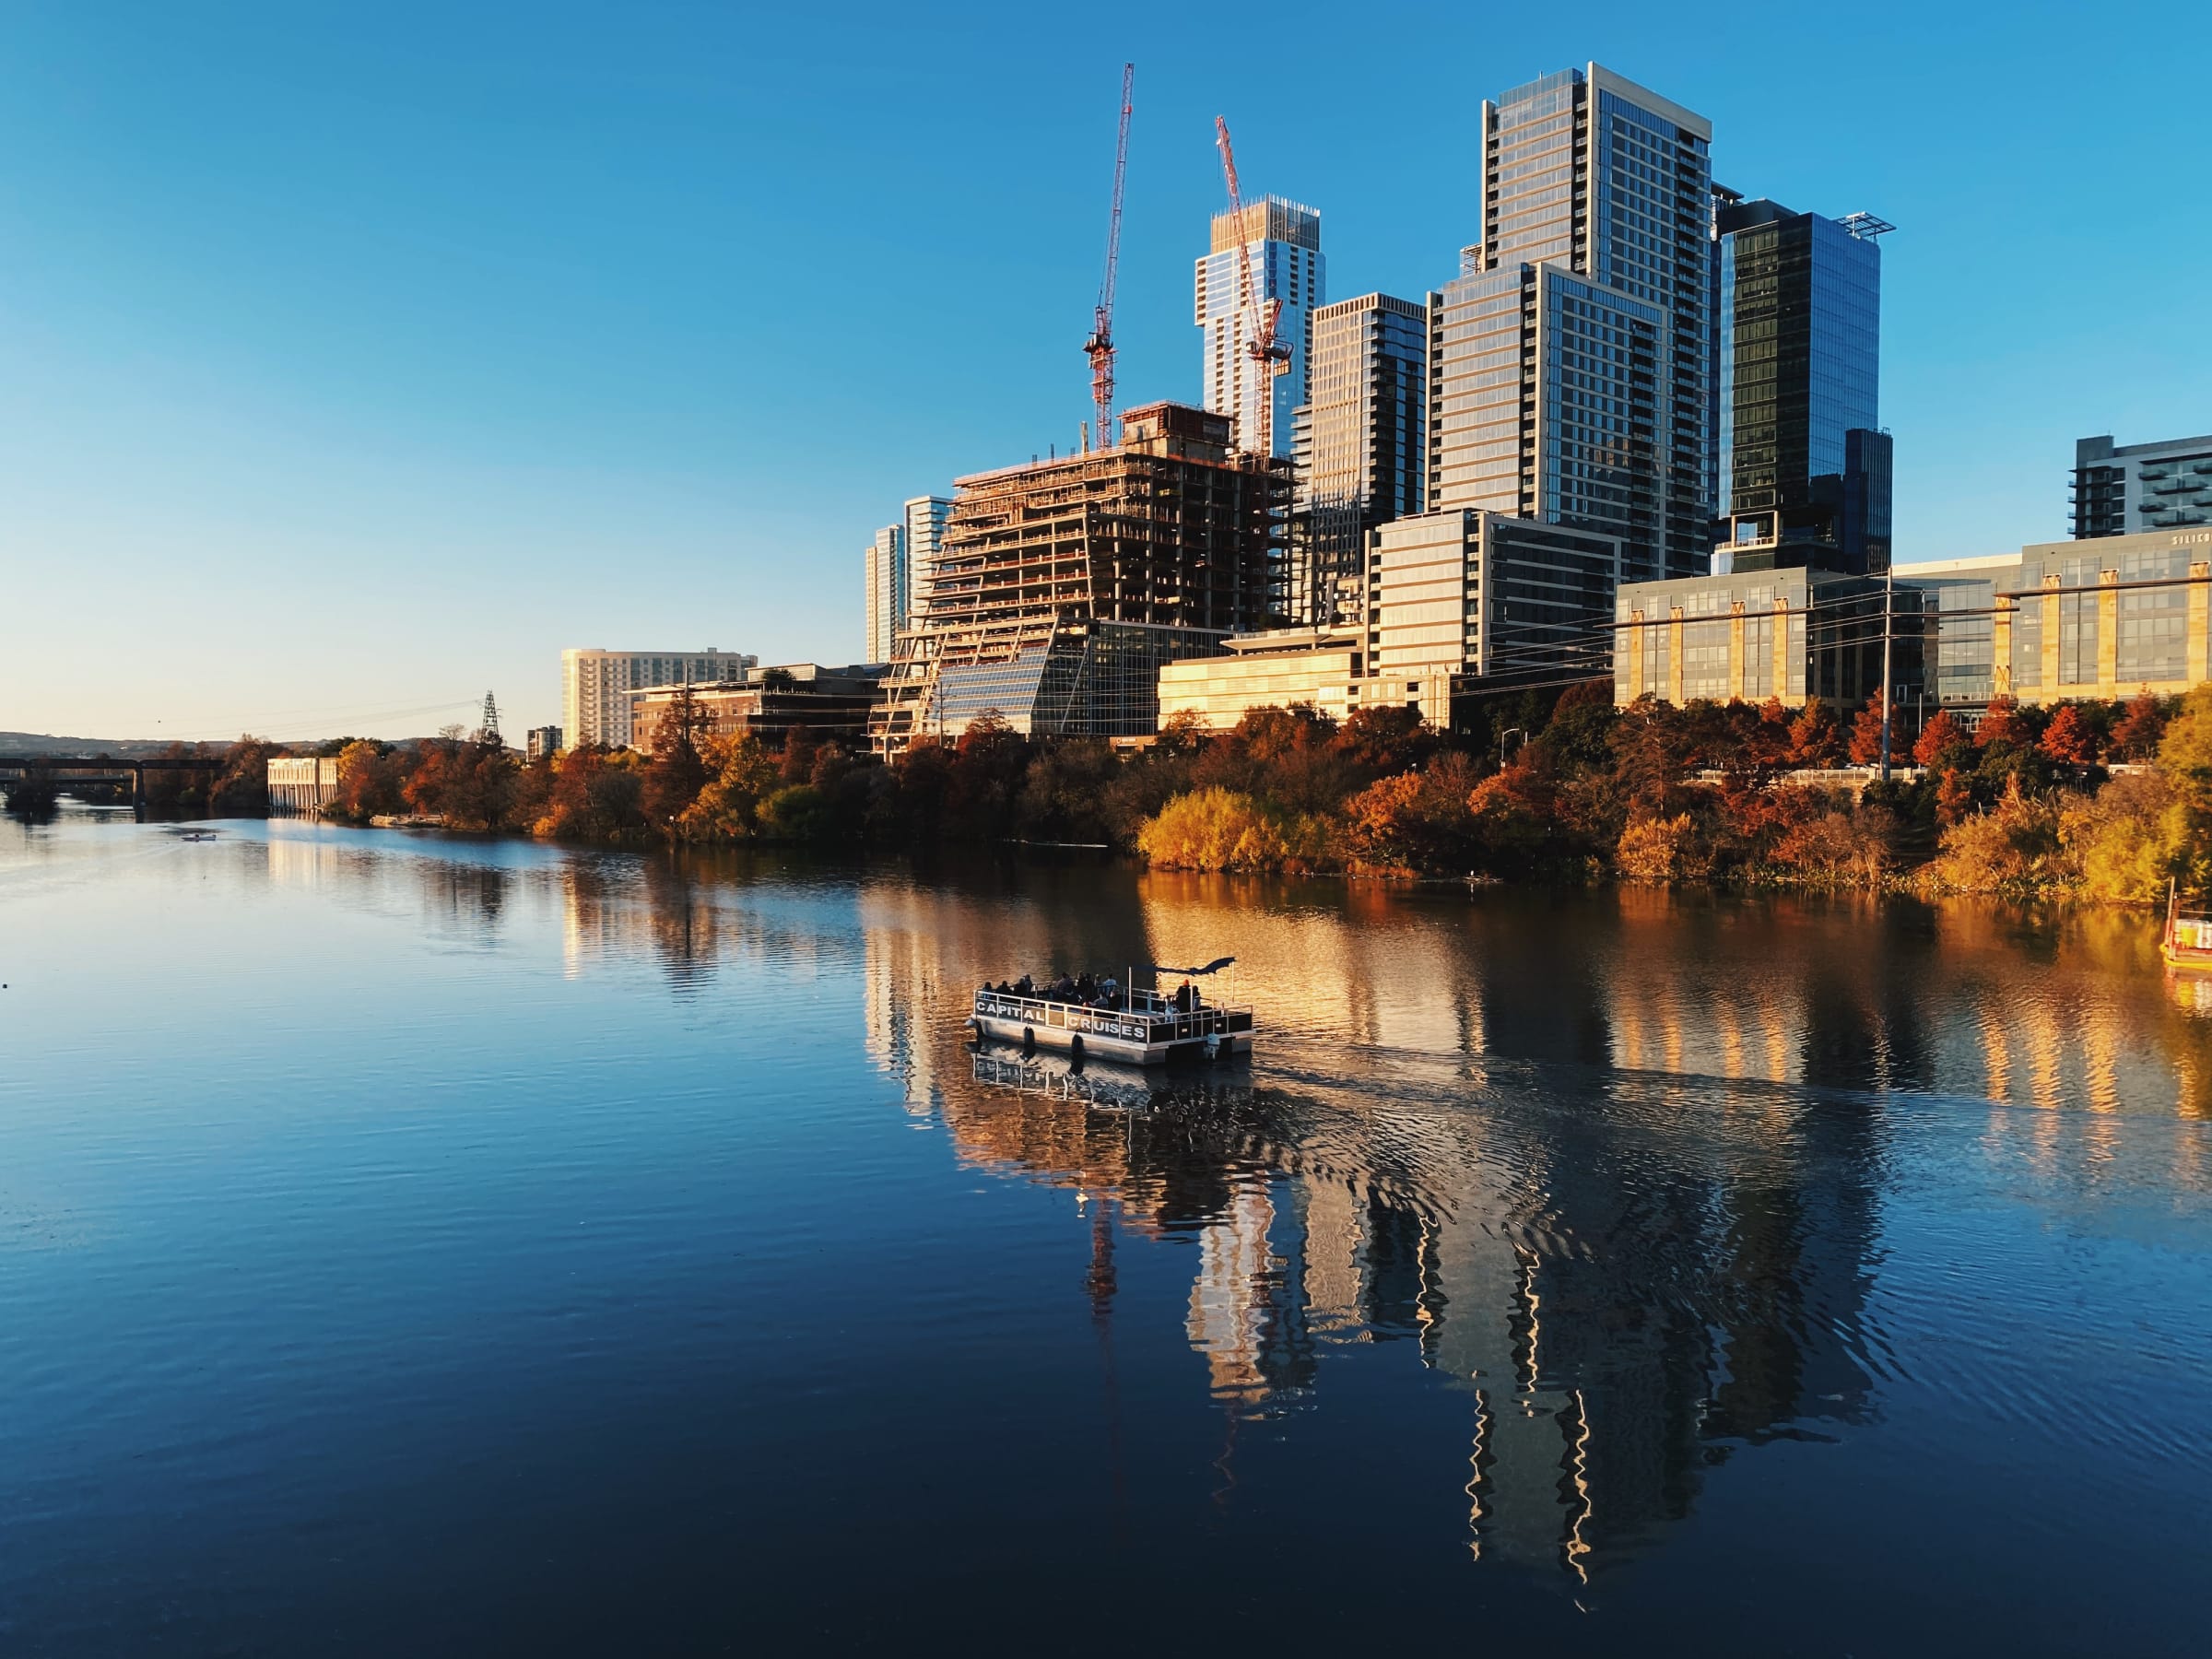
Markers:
<point>1127,1051</point>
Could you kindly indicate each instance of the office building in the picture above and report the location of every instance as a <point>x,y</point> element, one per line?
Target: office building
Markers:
<point>2058,621</point>
<point>1569,360</point>
<point>885,573</point>
<point>2126,489</point>
<point>1362,448</point>
<point>541,743</point>
<point>595,684</point>
<point>1804,468</point>
<point>1063,585</point>
<point>1319,668</point>
<point>2051,623</point>
<point>1284,242</point>
<point>926,519</point>
<point>1461,592</point>
<point>769,704</point>
<point>1796,634</point>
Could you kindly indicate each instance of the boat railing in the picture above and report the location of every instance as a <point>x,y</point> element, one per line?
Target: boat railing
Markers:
<point>1140,1023</point>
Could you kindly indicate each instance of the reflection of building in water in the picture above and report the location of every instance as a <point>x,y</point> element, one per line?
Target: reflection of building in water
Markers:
<point>1229,1298</point>
<point>1638,1234</point>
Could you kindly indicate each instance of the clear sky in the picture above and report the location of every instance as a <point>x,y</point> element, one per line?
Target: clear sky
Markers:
<point>355,358</point>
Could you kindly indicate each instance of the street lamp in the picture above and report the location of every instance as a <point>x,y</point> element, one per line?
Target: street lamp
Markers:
<point>1520,732</point>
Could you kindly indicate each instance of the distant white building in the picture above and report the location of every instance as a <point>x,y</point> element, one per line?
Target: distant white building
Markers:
<point>595,684</point>
<point>885,577</point>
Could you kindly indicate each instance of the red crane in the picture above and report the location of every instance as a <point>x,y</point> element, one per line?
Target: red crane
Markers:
<point>1099,349</point>
<point>1269,356</point>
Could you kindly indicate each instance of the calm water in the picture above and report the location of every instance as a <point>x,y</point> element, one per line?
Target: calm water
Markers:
<point>425,1246</point>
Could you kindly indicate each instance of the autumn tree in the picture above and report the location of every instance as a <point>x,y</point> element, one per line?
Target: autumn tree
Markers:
<point>1954,799</point>
<point>1866,733</point>
<point>678,771</point>
<point>2136,737</point>
<point>2067,739</point>
<point>2002,724</point>
<point>1814,739</point>
<point>1941,741</point>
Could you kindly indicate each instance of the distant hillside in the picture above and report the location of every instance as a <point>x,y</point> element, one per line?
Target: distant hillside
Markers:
<point>126,748</point>
<point>121,749</point>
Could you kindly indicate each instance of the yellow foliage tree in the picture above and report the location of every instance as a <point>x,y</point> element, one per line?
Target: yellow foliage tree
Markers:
<point>1220,829</point>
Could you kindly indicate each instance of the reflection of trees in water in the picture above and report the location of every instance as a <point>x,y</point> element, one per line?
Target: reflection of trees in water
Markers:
<point>462,901</point>
<point>1638,1231</point>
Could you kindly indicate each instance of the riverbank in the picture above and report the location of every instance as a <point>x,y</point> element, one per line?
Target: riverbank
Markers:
<point>1727,796</point>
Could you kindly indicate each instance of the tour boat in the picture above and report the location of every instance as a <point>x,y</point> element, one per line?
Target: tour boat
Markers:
<point>2187,941</point>
<point>1130,1024</point>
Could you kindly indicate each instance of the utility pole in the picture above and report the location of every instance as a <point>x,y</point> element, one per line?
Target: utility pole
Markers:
<point>1888,615</point>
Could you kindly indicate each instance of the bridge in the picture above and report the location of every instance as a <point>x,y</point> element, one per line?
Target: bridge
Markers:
<point>101,768</point>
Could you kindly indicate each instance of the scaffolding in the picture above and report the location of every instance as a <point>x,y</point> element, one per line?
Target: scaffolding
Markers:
<point>1059,583</point>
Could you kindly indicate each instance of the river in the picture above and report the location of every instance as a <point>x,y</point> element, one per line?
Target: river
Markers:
<point>431,1245</point>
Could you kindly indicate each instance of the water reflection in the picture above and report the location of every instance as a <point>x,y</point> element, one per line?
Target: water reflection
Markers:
<point>1608,1164</point>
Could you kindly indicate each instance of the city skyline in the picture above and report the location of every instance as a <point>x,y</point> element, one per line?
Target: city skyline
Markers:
<point>312,356</point>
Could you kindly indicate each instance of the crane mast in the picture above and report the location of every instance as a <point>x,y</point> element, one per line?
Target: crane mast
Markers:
<point>1270,358</point>
<point>1099,349</point>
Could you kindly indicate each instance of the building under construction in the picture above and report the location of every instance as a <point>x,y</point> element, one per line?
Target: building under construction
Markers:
<point>1061,587</point>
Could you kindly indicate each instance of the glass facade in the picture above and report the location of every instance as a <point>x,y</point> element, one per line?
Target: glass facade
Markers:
<point>1802,460</point>
<point>1570,359</point>
<point>1284,239</point>
<point>1363,447</point>
<point>1088,680</point>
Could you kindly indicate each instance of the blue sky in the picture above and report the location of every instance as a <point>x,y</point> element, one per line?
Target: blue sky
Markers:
<point>356,358</point>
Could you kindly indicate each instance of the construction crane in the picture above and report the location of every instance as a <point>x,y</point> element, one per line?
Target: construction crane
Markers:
<point>1269,356</point>
<point>1099,349</point>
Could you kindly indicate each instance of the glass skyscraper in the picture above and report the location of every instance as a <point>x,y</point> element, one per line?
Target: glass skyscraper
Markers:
<point>1803,465</point>
<point>1362,449</point>
<point>926,520</point>
<point>1570,360</point>
<point>1286,266</point>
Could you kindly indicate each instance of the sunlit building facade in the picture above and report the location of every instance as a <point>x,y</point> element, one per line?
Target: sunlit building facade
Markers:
<point>2127,489</point>
<point>927,517</point>
<point>1282,239</point>
<point>885,575</point>
<point>1361,449</point>
<point>1063,587</point>
<point>1569,360</point>
<point>595,684</point>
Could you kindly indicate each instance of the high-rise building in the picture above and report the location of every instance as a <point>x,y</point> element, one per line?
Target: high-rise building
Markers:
<point>1361,449</point>
<point>1284,239</point>
<point>887,576</point>
<point>1803,466</point>
<point>1569,360</point>
<point>595,684</point>
<point>926,520</point>
<point>1461,592</point>
<point>542,743</point>
<point>2124,489</point>
<point>1063,586</point>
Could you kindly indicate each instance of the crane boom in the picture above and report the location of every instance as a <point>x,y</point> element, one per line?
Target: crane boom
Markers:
<point>1269,357</point>
<point>1100,346</point>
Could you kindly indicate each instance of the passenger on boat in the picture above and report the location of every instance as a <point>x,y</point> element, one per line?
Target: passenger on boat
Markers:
<point>1022,986</point>
<point>1182,998</point>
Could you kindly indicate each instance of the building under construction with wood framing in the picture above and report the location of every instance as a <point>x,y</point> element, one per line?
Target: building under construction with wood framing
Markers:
<point>1061,587</point>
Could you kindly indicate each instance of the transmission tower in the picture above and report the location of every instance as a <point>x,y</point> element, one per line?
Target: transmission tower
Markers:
<point>491,715</point>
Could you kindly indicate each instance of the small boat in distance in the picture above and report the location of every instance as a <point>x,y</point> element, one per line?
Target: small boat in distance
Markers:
<point>1112,1021</point>
<point>2187,942</point>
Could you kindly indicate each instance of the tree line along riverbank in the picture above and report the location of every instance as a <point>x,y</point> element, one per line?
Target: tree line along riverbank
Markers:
<point>2026,803</point>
